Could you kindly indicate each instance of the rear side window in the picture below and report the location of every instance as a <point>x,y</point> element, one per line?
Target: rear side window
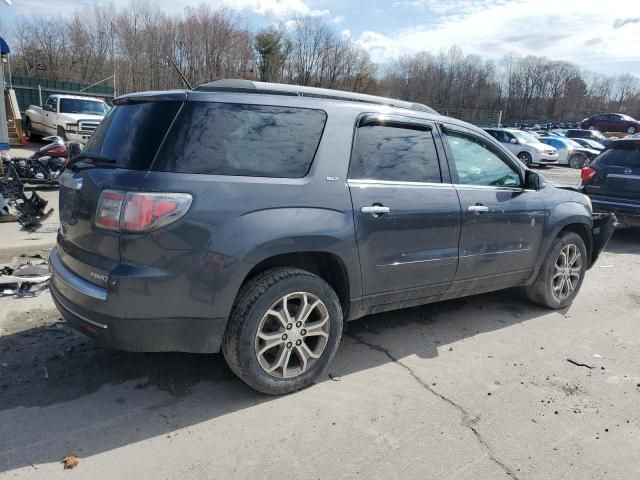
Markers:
<point>394,154</point>
<point>621,155</point>
<point>131,134</point>
<point>237,139</point>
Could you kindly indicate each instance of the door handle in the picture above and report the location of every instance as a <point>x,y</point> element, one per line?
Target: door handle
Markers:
<point>478,209</point>
<point>375,210</point>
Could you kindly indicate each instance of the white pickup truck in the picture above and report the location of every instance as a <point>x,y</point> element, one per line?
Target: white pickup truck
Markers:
<point>71,117</point>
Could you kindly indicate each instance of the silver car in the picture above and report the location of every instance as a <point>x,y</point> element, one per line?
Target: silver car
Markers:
<point>571,153</point>
<point>525,146</point>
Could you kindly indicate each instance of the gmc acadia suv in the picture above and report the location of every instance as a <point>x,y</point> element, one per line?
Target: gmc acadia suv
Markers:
<point>258,218</point>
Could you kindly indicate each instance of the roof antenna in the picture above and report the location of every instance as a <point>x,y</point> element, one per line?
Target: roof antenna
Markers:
<point>184,79</point>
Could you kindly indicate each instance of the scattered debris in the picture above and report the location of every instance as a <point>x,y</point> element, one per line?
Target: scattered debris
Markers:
<point>46,372</point>
<point>30,211</point>
<point>24,280</point>
<point>578,364</point>
<point>70,461</point>
<point>335,378</point>
<point>595,355</point>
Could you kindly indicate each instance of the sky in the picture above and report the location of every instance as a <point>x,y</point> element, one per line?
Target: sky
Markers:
<point>597,35</point>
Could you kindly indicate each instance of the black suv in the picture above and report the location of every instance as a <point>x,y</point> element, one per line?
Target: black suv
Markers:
<point>258,218</point>
<point>612,181</point>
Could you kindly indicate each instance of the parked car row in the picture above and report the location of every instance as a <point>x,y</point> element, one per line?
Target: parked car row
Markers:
<point>606,122</point>
<point>541,149</point>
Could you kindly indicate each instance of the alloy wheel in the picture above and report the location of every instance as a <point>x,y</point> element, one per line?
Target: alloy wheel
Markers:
<point>292,335</point>
<point>577,161</point>
<point>566,272</point>
<point>525,158</point>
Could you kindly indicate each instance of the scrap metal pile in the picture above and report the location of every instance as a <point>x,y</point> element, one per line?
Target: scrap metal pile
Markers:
<point>30,211</point>
<point>24,276</point>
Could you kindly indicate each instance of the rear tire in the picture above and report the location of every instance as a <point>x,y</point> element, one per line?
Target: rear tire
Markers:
<point>270,310</point>
<point>561,274</point>
<point>525,158</point>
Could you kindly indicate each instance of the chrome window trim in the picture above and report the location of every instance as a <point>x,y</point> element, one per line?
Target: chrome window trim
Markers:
<point>365,181</point>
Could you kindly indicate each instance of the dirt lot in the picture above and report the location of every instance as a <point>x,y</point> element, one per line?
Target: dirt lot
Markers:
<point>478,388</point>
<point>560,175</point>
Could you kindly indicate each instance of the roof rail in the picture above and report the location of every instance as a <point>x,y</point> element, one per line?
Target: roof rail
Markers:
<point>249,86</point>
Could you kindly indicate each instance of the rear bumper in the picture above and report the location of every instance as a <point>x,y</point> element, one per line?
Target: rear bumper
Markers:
<point>627,212</point>
<point>103,315</point>
<point>80,137</point>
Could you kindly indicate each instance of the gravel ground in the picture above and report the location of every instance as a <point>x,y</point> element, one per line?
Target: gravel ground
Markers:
<point>560,175</point>
<point>477,388</point>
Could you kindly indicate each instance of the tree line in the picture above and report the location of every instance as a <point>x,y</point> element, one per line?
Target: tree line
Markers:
<point>138,42</point>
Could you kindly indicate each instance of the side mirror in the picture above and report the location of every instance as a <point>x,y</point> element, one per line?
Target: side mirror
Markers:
<point>513,140</point>
<point>533,180</point>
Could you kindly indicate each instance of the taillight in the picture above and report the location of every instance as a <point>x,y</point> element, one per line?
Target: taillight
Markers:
<point>109,208</point>
<point>587,173</point>
<point>140,212</point>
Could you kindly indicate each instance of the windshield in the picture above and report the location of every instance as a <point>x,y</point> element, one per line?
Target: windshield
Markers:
<point>78,105</point>
<point>572,143</point>
<point>524,137</point>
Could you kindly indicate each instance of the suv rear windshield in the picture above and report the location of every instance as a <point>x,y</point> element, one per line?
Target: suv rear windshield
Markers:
<point>131,134</point>
<point>239,139</point>
<point>621,154</point>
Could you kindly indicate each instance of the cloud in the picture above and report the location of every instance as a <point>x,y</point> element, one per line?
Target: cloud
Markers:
<point>337,19</point>
<point>621,22</point>
<point>345,34</point>
<point>492,29</point>
<point>275,9</point>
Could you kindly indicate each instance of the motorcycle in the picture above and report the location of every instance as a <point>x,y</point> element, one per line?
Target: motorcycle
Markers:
<point>46,165</point>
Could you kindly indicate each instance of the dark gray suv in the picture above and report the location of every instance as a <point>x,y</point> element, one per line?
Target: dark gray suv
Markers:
<point>258,218</point>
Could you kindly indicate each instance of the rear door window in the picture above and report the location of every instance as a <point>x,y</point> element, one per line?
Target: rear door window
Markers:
<point>130,134</point>
<point>239,139</point>
<point>395,154</point>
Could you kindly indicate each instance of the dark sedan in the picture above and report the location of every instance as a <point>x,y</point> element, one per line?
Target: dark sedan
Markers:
<point>590,134</point>
<point>612,181</point>
<point>611,122</point>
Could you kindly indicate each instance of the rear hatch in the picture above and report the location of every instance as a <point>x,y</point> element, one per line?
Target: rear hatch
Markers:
<point>117,157</point>
<point>617,171</point>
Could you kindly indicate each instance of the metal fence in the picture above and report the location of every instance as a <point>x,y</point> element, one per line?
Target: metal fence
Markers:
<point>30,90</point>
<point>481,118</point>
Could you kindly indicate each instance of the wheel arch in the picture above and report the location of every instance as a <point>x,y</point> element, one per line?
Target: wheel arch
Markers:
<point>584,232</point>
<point>327,265</point>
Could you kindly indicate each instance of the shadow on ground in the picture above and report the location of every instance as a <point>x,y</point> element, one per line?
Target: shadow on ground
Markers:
<point>49,373</point>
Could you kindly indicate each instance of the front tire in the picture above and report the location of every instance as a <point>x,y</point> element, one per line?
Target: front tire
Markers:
<point>284,329</point>
<point>631,130</point>
<point>561,274</point>
<point>525,158</point>
<point>62,134</point>
<point>29,130</point>
<point>577,161</point>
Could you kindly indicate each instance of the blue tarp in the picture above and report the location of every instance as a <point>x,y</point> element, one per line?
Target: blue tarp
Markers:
<point>4,48</point>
